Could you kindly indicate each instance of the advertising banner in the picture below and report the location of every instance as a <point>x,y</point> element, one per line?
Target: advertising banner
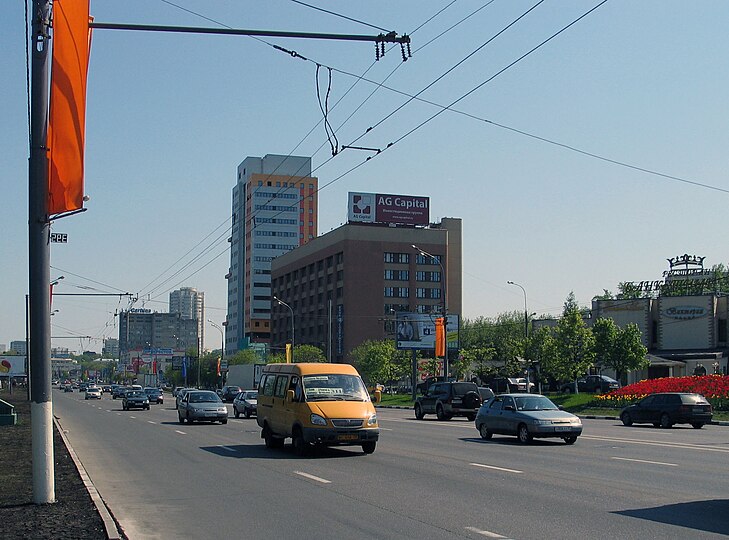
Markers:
<point>12,366</point>
<point>417,331</point>
<point>384,208</point>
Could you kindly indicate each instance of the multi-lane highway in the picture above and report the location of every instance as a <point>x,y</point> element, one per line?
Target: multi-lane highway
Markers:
<point>426,480</point>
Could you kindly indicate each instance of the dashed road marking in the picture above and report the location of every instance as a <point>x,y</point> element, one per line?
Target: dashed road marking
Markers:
<point>312,477</point>
<point>150,422</point>
<point>496,468</point>
<point>488,534</point>
<point>646,461</point>
<point>180,432</point>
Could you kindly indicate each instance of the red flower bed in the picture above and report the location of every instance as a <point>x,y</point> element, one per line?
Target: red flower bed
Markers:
<point>710,386</point>
<point>715,388</point>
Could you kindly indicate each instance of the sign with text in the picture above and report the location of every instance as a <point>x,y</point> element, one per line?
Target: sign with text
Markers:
<point>383,208</point>
<point>417,331</point>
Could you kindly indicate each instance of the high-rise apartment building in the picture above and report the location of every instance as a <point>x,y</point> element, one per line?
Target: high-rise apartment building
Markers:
<point>189,303</point>
<point>274,210</point>
<point>19,347</point>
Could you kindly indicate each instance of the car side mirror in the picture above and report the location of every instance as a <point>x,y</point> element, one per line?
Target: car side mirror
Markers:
<point>289,396</point>
<point>509,408</point>
<point>560,407</point>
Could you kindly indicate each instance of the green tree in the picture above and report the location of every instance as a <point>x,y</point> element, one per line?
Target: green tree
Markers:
<point>574,344</point>
<point>380,362</point>
<point>605,332</point>
<point>480,361</point>
<point>308,353</point>
<point>542,350</point>
<point>243,356</point>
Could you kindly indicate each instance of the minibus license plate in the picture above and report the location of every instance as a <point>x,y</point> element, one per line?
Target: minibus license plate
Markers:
<point>348,437</point>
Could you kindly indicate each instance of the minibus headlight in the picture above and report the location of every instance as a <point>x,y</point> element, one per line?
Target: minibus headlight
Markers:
<point>317,420</point>
<point>372,420</point>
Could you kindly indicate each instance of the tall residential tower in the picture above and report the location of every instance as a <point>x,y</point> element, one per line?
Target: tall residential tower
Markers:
<point>274,211</point>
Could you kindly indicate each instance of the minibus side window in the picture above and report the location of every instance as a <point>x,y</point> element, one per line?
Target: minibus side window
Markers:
<point>281,386</point>
<point>268,385</point>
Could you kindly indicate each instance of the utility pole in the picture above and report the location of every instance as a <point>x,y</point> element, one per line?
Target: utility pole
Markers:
<point>39,257</point>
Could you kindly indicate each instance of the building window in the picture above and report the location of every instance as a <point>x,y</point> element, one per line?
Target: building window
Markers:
<point>420,292</point>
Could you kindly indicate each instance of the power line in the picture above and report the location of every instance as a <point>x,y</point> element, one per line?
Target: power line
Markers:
<point>339,15</point>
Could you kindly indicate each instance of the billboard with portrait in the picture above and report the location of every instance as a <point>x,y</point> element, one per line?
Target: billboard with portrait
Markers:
<point>417,330</point>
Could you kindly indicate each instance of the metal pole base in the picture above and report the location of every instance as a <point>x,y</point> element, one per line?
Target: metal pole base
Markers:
<point>41,419</point>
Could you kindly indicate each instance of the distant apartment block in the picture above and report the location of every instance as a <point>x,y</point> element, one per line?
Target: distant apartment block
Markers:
<point>274,210</point>
<point>189,303</point>
<point>19,347</point>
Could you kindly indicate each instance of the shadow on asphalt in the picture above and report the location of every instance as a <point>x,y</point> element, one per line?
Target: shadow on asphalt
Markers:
<point>513,441</point>
<point>707,516</point>
<point>240,451</point>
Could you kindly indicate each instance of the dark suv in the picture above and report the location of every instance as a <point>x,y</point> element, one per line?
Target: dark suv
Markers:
<point>449,399</point>
<point>228,393</point>
<point>664,410</point>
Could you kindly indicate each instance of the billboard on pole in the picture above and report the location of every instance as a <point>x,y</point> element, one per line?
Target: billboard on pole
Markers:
<point>417,330</point>
<point>12,366</point>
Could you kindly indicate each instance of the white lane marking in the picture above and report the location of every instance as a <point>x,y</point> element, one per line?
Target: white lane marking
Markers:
<point>385,429</point>
<point>488,534</point>
<point>645,461</point>
<point>150,422</point>
<point>496,468</point>
<point>133,417</point>
<point>312,477</point>
<point>180,432</point>
<point>108,410</point>
<point>118,414</point>
<point>683,446</point>
<point>228,448</point>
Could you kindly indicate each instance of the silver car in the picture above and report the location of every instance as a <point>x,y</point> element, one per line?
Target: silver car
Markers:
<point>202,405</point>
<point>527,416</point>
<point>246,403</point>
<point>93,392</point>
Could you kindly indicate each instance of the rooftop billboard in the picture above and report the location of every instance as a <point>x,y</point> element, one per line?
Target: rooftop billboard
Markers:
<point>417,330</point>
<point>382,208</point>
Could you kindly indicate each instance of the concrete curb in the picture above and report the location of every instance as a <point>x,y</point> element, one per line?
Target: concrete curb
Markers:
<point>587,417</point>
<point>112,532</point>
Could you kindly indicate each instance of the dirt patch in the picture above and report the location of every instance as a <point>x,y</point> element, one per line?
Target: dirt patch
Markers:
<point>72,516</point>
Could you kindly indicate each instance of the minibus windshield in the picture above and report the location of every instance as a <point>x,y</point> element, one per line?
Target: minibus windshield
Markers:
<point>334,388</point>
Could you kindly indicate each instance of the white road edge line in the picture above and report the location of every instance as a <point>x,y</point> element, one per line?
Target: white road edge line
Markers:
<point>645,461</point>
<point>312,477</point>
<point>180,432</point>
<point>488,534</point>
<point>496,468</point>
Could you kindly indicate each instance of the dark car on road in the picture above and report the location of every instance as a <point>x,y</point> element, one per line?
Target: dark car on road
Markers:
<point>154,394</point>
<point>118,392</point>
<point>527,416</point>
<point>135,399</point>
<point>422,387</point>
<point>665,409</point>
<point>228,393</point>
<point>449,399</point>
<point>599,384</point>
<point>202,405</point>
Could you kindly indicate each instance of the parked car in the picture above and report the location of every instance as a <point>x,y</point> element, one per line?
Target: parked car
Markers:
<point>135,399</point>
<point>423,387</point>
<point>665,409</point>
<point>93,392</point>
<point>245,403</point>
<point>599,384</point>
<point>449,399</point>
<point>505,385</point>
<point>527,416</point>
<point>154,395</point>
<point>202,405</point>
<point>228,393</point>
<point>118,392</point>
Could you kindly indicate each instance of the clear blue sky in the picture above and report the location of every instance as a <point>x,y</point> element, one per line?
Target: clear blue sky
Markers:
<point>170,116</point>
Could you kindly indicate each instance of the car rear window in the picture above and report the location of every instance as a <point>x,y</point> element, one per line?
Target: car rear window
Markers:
<point>461,389</point>
<point>693,399</point>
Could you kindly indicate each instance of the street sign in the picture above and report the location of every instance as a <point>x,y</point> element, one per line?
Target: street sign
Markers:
<point>59,238</point>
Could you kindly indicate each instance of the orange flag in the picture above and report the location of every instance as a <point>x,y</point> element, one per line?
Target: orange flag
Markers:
<point>440,338</point>
<point>67,117</point>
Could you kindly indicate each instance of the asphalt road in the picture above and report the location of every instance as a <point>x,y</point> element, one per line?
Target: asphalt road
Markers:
<point>427,479</point>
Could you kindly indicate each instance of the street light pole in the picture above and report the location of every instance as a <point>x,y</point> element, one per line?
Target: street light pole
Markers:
<point>222,340</point>
<point>526,327</point>
<point>282,303</point>
<point>445,304</point>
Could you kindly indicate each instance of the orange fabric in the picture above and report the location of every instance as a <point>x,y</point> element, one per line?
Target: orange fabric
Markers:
<point>67,117</point>
<point>440,341</point>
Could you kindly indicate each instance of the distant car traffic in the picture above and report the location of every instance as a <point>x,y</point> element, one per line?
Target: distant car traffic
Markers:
<point>106,389</point>
<point>118,392</point>
<point>154,395</point>
<point>68,388</point>
<point>135,399</point>
<point>666,409</point>
<point>246,403</point>
<point>527,416</point>
<point>592,383</point>
<point>93,392</point>
<point>202,405</point>
<point>228,393</point>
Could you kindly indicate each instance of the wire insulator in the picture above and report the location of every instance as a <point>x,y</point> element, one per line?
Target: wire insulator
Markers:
<point>382,48</point>
<point>377,51</point>
<point>402,50</point>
